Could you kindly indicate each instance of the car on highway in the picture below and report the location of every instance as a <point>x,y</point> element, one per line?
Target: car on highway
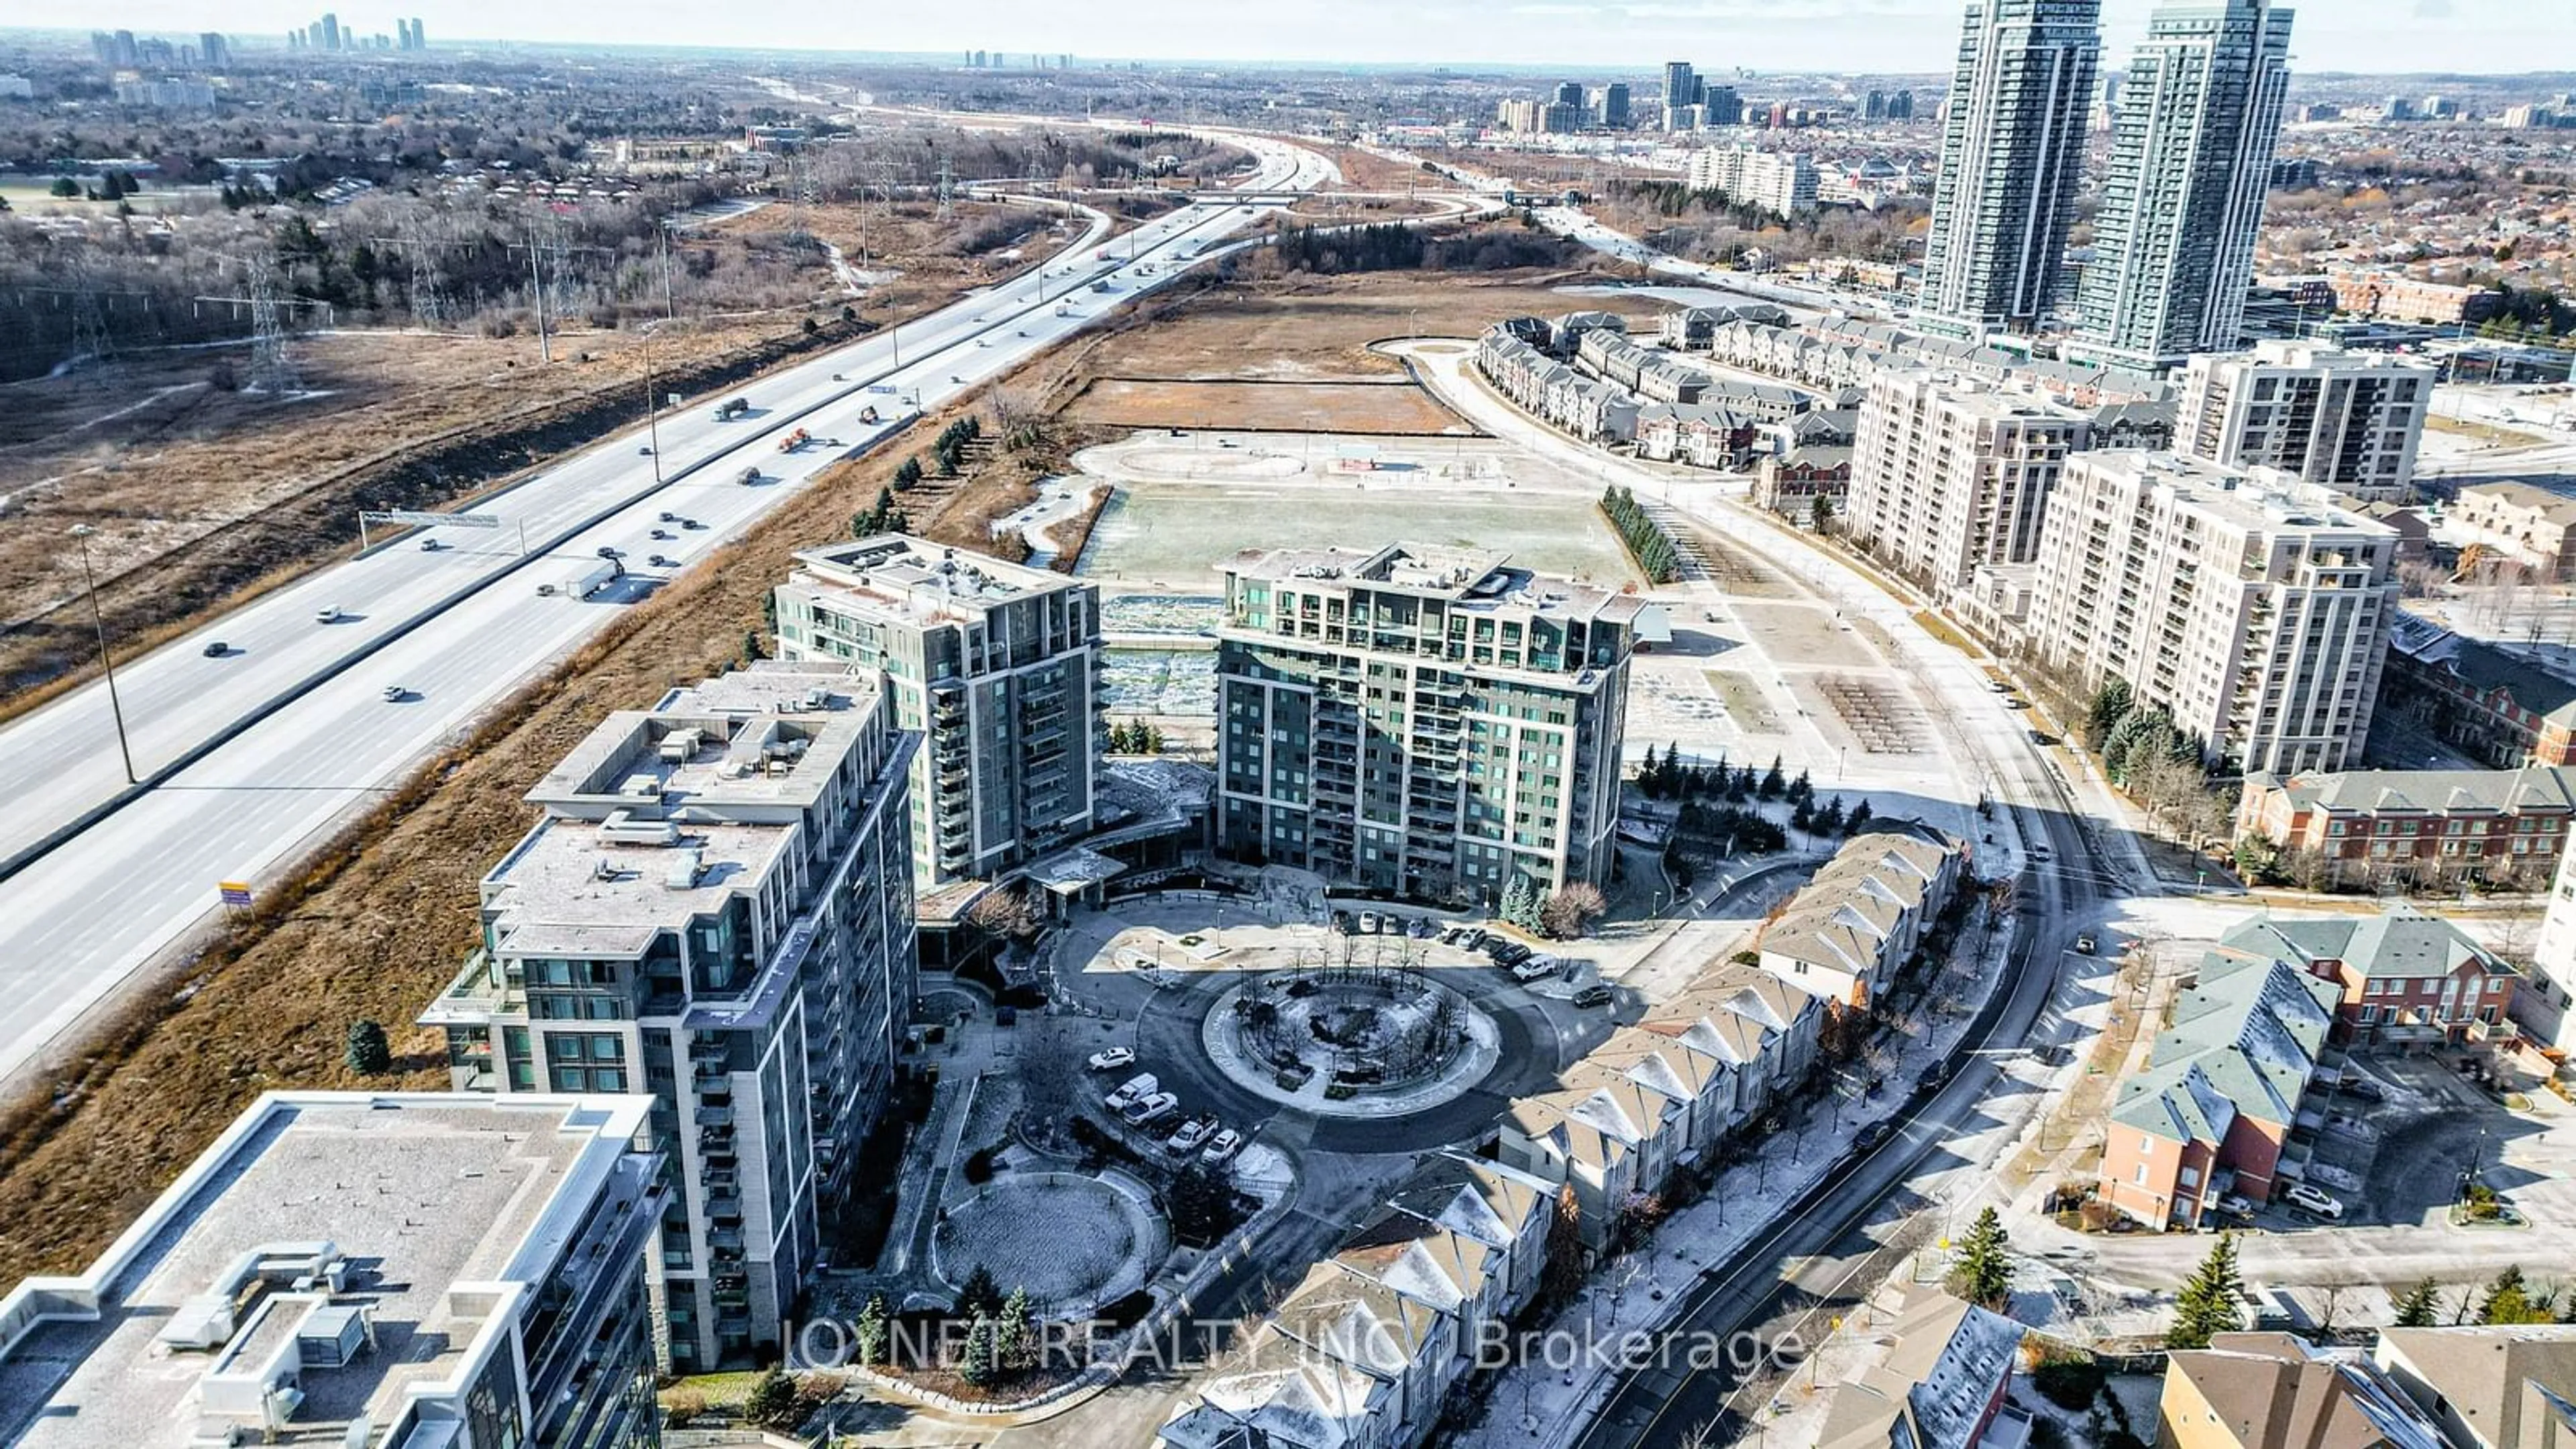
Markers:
<point>2324,1205</point>
<point>1871,1136</point>
<point>670,517</point>
<point>1111,1059</point>
<point>397,693</point>
<point>660,561</point>
<point>328,614</point>
<point>663,534</point>
<point>217,649</point>
<point>749,477</point>
<point>954,378</point>
<point>430,545</point>
<point>643,450</point>
<point>1130,1091</point>
<point>1147,1110</point>
<point>1188,1137</point>
<point>606,550</point>
<point>691,523</point>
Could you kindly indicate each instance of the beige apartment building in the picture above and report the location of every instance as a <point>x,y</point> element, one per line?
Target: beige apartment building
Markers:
<point>2341,420</point>
<point>2247,605</point>
<point>1950,473</point>
<point>2518,524</point>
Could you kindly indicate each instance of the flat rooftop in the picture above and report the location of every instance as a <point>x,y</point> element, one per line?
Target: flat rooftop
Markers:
<point>1463,576</point>
<point>2263,499</point>
<point>927,582</point>
<point>418,1193</point>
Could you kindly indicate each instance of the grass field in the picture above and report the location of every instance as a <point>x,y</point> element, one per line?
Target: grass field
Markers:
<point>1337,407</point>
<point>1177,533</point>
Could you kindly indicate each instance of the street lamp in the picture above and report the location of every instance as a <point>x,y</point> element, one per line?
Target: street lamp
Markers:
<point>652,404</point>
<point>107,662</point>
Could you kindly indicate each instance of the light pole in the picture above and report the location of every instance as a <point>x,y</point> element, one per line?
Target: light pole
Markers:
<point>652,404</point>
<point>107,662</point>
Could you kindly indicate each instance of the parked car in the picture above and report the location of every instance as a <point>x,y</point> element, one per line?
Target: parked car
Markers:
<point>2324,1205</point>
<point>2236,1207</point>
<point>1507,953</point>
<point>1536,968</point>
<point>2362,1087</point>
<point>1422,929</point>
<point>1152,1109</point>
<point>1130,1091</point>
<point>1342,922</point>
<point>2085,944</point>
<point>1221,1148</point>
<point>1368,923</point>
<point>1190,1136</point>
<point>1873,1135</point>
<point>1595,994</point>
<point>1111,1059</point>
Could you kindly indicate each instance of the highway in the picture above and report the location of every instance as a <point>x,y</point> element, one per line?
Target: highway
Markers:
<point>247,757</point>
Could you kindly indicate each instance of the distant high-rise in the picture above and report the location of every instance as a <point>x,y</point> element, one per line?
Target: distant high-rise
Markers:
<point>1569,93</point>
<point>1720,105</point>
<point>330,31</point>
<point>212,51</point>
<point>2011,153</point>
<point>1613,110</point>
<point>1681,89</point>
<point>419,37</point>
<point>2191,157</point>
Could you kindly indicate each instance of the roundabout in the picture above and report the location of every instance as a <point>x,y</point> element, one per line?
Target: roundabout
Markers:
<point>1351,1044</point>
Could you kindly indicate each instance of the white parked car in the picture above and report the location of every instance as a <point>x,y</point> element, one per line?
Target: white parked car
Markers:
<point>1536,968</point>
<point>1111,1060</point>
<point>1186,1141</point>
<point>2300,1195</point>
<point>1138,1086</point>
<point>1222,1147</point>
<point>1151,1109</point>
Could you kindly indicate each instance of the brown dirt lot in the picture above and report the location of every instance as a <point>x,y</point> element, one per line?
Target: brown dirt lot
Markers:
<point>1309,328</point>
<point>1343,407</point>
<point>1368,172</point>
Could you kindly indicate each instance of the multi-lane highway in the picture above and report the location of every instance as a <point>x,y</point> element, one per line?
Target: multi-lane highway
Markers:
<point>245,756</point>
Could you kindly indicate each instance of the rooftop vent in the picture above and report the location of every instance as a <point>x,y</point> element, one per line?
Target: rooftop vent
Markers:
<point>682,873</point>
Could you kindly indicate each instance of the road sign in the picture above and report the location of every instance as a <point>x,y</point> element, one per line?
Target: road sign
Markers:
<point>236,893</point>
<point>404,518</point>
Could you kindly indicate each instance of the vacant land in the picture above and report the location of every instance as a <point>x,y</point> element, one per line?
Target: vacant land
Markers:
<point>1386,406</point>
<point>1306,327</point>
<point>1367,171</point>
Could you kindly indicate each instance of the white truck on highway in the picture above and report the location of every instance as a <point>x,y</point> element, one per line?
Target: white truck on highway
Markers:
<point>584,584</point>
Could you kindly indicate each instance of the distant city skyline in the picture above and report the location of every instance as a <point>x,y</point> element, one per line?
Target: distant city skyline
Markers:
<point>1884,36</point>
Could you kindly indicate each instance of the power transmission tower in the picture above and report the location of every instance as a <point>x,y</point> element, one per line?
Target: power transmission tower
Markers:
<point>947,190</point>
<point>89,314</point>
<point>270,371</point>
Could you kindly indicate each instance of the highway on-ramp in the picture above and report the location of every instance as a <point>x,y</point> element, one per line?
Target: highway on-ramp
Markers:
<point>247,756</point>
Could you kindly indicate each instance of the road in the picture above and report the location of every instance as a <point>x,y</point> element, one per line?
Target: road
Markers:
<point>246,757</point>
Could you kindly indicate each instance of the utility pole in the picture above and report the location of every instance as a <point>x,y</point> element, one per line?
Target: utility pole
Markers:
<point>107,662</point>
<point>537,284</point>
<point>652,403</point>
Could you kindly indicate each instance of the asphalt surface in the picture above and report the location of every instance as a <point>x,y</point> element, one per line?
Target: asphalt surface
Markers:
<point>248,757</point>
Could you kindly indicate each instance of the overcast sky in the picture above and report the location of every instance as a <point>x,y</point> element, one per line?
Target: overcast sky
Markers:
<point>1878,35</point>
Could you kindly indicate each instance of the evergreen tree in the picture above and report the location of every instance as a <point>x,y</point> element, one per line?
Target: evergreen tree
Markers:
<point>1860,818</point>
<point>1152,742</point>
<point>366,1050</point>
<point>2110,705</point>
<point>979,1295</point>
<point>1774,782</point>
<point>908,475</point>
<point>2417,1308</point>
<point>1831,821</point>
<point>870,1331</point>
<point>1802,818</point>
<point>2209,1302</point>
<point>2510,1300</point>
<point>773,1402</point>
<point>976,1363</point>
<point>1802,788</point>
<point>1982,1271</point>
<point>1014,1347</point>
<point>1650,779</point>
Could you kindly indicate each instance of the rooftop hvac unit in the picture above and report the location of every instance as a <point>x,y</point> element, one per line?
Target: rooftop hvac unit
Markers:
<point>682,873</point>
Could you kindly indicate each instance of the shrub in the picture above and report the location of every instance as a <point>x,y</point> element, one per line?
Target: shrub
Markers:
<point>979,1165</point>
